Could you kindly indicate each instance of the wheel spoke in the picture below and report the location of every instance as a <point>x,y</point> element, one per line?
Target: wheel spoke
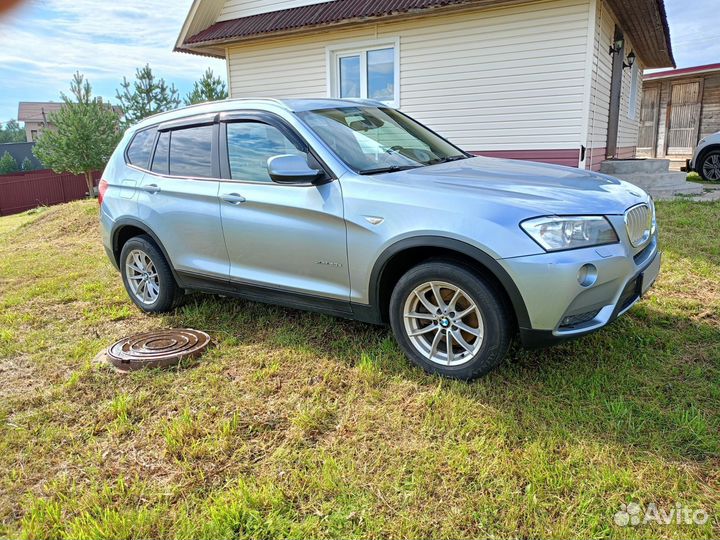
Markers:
<point>438,296</point>
<point>435,343</point>
<point>423,316</point>
<point>461,340</point>
<point>465,312</point>
<point>453,300</point>
<point>425,302</point>
<point>425,330</point>
<point>449,342</point>
<point>465,328</point>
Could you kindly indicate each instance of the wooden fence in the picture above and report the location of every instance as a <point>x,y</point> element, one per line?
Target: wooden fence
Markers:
<point>23,191</point>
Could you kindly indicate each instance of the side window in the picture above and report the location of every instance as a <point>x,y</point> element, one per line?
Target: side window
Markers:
<point>191,152</point>
<point>162,150</point>
<point>138,153</point>
<point>250,145</point>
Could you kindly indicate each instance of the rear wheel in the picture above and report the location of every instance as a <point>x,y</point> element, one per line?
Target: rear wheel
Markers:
<point>709,168</point>
<point>450,321</point>
<point>147,276</point>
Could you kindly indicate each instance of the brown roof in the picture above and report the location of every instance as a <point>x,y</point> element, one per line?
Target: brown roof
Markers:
<point>32,111</point>
<point>312,15</point>
<point>644,20</point>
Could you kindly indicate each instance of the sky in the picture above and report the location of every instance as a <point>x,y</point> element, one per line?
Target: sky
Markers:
<point>43,42</point>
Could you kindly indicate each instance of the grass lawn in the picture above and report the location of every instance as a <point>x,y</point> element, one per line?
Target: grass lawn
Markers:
<point>301,425</point>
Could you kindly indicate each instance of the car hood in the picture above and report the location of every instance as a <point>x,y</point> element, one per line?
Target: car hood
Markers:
<point>549,189</point>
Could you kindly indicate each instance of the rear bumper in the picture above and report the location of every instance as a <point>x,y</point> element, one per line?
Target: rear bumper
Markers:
<point>561,309</point>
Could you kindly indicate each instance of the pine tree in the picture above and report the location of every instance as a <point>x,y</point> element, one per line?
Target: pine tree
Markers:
<point>8,165</point>
<point>12,132</point>
<point>27,165</point>
<point>208,88</point>
<point>146,96</point>
<point>85,135</point>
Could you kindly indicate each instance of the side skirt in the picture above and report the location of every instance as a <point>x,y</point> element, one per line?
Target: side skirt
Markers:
<point>269,295</point>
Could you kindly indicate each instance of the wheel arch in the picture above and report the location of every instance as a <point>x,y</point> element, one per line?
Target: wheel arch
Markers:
<point>127,228</point>
<point>404,254</point>
<point>715,147</point>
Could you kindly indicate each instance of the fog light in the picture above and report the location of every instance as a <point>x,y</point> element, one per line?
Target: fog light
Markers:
<point>587,275</point>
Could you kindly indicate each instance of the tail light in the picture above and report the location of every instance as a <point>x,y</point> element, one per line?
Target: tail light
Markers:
<point>102,188</point>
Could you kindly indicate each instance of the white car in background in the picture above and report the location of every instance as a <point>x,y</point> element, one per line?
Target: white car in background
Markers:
<point>706,158</point>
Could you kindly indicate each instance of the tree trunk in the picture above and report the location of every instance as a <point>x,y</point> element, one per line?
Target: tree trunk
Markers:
<point>90,184</point>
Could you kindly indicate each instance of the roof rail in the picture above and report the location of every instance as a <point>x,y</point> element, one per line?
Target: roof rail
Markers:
<point>205,103</point>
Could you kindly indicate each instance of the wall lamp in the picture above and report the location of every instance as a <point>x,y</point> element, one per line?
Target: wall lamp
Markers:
<point>630,60</point>
<point>616,46</point>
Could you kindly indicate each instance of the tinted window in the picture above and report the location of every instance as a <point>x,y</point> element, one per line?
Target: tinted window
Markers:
<point>190,151</point>
<point>160,159</point>
<point>251,144</point>
<point>138,153</point>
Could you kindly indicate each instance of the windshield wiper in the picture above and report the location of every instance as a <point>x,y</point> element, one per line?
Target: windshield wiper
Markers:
<point>447,159</point>
<point>391,168</point>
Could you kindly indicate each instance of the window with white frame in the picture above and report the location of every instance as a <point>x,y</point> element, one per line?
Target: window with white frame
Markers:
<point>366,70</point>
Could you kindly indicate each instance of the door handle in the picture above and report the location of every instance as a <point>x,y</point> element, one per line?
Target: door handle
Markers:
<point>151,188</point>
<point>233,198</point>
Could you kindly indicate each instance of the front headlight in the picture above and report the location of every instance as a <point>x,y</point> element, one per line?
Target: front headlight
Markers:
<point>555,233</point>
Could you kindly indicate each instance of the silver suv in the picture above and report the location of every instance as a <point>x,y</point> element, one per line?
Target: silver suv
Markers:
<point>352,208</point>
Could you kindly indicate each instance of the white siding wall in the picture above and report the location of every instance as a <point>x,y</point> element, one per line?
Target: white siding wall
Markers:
<point>243,8</point>
<point>508,78</point>
<point>600,88</point>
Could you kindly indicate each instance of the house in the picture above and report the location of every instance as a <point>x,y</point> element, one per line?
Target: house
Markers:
<point>20,152</point>
<point>679,107</point>
<point>557,81</point>
<point>35,116</point>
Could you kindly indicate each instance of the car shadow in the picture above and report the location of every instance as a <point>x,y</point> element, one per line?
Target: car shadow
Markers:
<point>649,381</point>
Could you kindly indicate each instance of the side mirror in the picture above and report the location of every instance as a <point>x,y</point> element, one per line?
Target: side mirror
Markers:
<point>292,169</point>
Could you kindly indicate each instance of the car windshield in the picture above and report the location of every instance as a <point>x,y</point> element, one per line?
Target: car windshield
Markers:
<point>377,139</point>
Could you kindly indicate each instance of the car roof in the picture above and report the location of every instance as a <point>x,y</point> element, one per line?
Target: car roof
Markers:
<point>263,104</point>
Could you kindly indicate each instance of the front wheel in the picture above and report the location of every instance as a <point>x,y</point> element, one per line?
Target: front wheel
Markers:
<point>450,321</point>
<point>709,169</point>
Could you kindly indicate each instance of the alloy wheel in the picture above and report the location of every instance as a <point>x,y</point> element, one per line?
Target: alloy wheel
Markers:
<point>443,323</point>
<point>711,167</point>
<point>142,277</point>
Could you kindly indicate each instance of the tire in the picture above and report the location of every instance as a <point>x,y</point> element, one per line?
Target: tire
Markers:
<point>485,331</point>
<point>147,276</point>
<point>709,166</point>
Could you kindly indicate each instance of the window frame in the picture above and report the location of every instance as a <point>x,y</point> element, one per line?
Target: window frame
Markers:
<point>335,52</point>
<point>281,125</point>
<point>174,125</point>
<point>152,149</point>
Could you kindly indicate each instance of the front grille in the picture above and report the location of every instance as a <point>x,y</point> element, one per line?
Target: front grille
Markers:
<point>638,222</point>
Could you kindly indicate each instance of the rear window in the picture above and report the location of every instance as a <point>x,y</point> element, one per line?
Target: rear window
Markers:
<point>191,151</point>
<point>138,153</point>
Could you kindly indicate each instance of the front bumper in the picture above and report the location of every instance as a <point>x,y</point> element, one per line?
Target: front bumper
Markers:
<point>560,308</point>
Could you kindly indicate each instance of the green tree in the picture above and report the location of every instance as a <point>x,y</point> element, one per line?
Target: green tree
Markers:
<point>146,96</point>
<point>12,132</point>
<point>27,165</point>
<point>208,88</point>
<point>8,164</point>
<point>85,133</point>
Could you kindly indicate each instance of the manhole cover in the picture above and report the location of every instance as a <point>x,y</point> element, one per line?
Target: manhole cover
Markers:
<point>162,348</point>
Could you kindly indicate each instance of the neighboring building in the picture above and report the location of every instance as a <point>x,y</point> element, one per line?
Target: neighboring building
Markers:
<point>542,80</point>
<point>35,115</point>
<point>679,107</point>
<point>20,151</point>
